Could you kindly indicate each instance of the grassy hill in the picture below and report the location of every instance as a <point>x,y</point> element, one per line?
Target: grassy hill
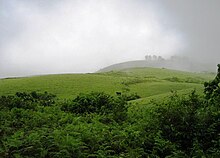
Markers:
<point>101,125</point>
<point>146,82</point>
<point>175,63</point>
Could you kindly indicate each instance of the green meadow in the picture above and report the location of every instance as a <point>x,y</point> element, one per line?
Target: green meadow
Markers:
<point>146,82</point>
<point>157,113</point>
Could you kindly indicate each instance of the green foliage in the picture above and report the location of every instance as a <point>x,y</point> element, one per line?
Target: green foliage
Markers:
<point>177,120</point>
<point>173,79</point>
<point>101,125</point>
<point>131,96</point>
<point>99,103</point>
<point>27,100</point>
<point>192,124</point>
<point>212,89</point>
<point>143,81</point>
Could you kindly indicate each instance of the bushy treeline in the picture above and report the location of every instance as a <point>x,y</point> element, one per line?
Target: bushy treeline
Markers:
<point>27,100</point>
<point>100,125</point>
<point>188,126</point>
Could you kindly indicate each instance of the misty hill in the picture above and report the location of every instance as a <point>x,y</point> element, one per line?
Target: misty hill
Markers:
<point>175,63</point>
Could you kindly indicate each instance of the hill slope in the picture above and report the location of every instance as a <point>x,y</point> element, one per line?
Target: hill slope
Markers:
<point>175,64</point>
<point>145,82</point>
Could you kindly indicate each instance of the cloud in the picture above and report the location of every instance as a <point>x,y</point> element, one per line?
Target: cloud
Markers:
<point>199,21</point>
<point>81,36</point>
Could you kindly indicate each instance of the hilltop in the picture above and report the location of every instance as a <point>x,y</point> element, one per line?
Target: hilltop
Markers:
<point>174,62</point>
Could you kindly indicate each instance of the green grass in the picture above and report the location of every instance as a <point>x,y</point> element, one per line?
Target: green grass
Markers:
<point>147,82</point>
<point>31,128</point>
<point>64,86</point>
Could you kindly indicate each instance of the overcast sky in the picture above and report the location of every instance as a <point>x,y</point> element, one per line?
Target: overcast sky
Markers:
<point>69,36</point>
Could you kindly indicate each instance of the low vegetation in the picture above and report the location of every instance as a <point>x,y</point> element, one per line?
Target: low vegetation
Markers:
<point>98,124</point>
<point>143,81</point>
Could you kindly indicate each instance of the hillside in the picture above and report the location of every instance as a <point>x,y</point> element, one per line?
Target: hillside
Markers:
<point>175,63</point>
<point>145,82</point>
<point>97,124</point>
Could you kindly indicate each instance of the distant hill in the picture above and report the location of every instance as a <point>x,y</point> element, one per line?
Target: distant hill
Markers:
<point>175,63</point>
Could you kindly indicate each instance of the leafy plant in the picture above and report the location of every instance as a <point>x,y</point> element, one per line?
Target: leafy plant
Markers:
<point>99,103</point>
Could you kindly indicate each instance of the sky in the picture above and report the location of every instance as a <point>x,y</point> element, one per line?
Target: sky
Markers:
<point>80,36</point>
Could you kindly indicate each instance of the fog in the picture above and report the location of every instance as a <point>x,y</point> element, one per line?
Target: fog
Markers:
<point>78,36</point>
<point>199,21</point>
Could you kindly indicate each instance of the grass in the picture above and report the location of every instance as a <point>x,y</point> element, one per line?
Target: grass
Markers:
<point>146,82</point>
<point>64,86</point>
<point>57,133</point>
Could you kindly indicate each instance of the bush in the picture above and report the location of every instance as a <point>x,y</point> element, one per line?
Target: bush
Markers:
<point>99,103</point>
<point>27,100</point>
<point>212,89</point>
<point>173,79</point>
<point>129,97</point>
<point>191,124</point>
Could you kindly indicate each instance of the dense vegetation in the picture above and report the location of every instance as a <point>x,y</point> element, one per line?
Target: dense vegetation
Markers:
<point>97,124</point>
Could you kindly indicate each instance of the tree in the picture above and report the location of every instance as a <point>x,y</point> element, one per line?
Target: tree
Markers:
<point>148,57</point>
<point>160,58</point>
<point>154,57</point>
<point>212,88</point>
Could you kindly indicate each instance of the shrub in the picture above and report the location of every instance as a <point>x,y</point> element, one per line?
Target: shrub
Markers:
<point>27,100</point>
<point>192,124</point>
<point>129,97</point>
<point>173,79</point>
<point>99,103</point>
<point>212,90</point>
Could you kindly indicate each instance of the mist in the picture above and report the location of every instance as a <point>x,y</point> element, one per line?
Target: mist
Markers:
<point>199,21</point>
<point>44,36</point>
